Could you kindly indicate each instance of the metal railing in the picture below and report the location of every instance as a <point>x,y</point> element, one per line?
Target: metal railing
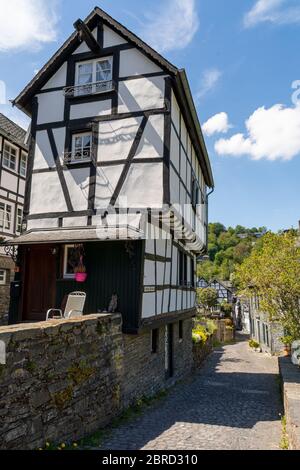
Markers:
<point>77,157</point>
<point>89,89</point>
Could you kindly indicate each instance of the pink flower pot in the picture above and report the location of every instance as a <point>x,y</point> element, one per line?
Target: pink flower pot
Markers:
<point>80,277</point>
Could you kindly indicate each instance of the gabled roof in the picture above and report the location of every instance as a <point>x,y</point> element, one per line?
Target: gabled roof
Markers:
<point>24,99</point>
<point>12,131</point>
<point>222,283</point>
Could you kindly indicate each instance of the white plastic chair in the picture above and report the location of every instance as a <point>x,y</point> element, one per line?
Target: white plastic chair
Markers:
<point>74,306</point>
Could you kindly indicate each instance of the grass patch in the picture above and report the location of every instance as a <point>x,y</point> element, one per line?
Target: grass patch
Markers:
<point>284,442</point>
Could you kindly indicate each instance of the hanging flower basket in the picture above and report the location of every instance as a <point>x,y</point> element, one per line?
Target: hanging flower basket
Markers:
<point>80,277</point>
<point>80,271</point>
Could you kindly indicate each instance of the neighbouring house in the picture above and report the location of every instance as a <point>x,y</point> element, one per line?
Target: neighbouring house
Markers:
<point>267,333</point>
<point>13,166</point>
<point>202,283</point>
<point>224,290</point>
<point>116,152</point>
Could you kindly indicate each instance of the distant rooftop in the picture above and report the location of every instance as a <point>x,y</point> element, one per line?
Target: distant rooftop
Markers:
<point>12,130</point>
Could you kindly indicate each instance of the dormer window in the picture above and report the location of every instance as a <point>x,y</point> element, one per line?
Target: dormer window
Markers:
<point>81,148</point>
<point>92,77</point>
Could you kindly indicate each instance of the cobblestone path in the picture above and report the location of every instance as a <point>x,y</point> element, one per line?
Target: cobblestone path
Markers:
<point>233,402</point>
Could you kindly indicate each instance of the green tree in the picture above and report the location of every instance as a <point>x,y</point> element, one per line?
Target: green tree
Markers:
<point>272,272</point>
<point>207,297</point>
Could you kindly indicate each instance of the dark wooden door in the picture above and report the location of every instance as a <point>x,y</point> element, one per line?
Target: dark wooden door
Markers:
<point>39,282</point>
<point>169,360</point>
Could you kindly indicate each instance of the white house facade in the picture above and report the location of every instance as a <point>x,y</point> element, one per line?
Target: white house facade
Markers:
<point>118,177</point>
<point>13,169</point>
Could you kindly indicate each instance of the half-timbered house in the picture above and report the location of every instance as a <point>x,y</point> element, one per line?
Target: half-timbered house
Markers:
<point>118,177</point>
<point>13,166</point>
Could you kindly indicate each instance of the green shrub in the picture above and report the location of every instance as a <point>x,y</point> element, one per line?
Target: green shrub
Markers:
<point>253,344</point>
<point>211,326</point>
<point>200,334</point>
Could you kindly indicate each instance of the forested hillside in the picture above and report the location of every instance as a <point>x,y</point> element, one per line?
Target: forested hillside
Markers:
<point>226,248</point>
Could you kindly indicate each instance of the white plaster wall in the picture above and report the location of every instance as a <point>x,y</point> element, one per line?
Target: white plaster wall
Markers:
<point>160,273</point>
<point>148,305</point>
<point>174,149</point>
<point>183,134</point>
<point>149,245</point>
<point>174,187</point>
<point>168,272</point>
<point>43,157</point>
<point>149,273</point>
<point>51,107</point>
<point>111,38</point>
<point>59,137</point>
<point>106,182</point>
<point>75,222</point>
<point>141,94</point>
<point>175,113</point>
<point>9,181</point>
<point>166,301</point>
<point>46,194</point>
<point>58,79</point>
<point>116,138</point>
<point>173,306</point>
<point>133,62</point>
<point>83,46</point>
<point>174,266</point>
<point>159,301</point>
<point>96,108</point>
<point>77,181</point>
<point>40,224</point>
<point>21,187</point>
<point>179,300</point>
<point>144,185</point>
<point>160,245</point>
<point>152,142</point>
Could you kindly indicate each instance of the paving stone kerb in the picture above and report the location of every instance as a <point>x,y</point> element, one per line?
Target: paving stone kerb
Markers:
<point>290,377</point>
<point>62,380</point>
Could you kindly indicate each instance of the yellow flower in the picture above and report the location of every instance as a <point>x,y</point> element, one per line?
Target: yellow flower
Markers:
<point>75,444</point>
<point>62,445</point>
<point>40,448</point>
<point>47,444</point>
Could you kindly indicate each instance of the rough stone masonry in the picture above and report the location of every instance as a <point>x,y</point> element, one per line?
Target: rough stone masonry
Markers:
<point>61,380</point>
<point>66,379</point>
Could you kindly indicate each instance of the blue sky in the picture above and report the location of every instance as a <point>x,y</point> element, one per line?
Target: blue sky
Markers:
<point>241,58</point>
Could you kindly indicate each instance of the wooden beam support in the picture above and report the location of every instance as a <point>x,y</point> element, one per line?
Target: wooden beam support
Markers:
<point>86,35</point>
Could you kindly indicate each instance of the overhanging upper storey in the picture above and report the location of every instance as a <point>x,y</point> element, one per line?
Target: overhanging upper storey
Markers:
<point>83,35</point>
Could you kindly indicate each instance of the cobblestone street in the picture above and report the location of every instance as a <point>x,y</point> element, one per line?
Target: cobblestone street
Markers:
<point>233,402</point>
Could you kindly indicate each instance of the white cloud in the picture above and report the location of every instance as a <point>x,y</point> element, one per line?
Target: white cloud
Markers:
<point>273,134</point>
<point>27,24</point>
<point>273,11</point>
<point>172,26</point>
<point>209,81</point>
<point>216,124</point>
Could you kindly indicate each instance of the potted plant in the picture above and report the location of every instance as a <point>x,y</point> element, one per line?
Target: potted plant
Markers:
<point>287,341</point>
<point>80,271</point>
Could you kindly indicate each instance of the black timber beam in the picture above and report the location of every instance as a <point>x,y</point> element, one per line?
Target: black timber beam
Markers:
<point>86,35</point>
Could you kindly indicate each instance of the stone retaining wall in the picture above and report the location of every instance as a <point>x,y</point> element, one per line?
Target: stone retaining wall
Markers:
<point>145,371</point>
<point>65,379</point>
<point>290,379</point>
<point>62,380</point>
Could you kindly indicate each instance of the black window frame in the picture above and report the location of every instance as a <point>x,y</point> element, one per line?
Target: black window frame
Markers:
<point>180,330</point>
